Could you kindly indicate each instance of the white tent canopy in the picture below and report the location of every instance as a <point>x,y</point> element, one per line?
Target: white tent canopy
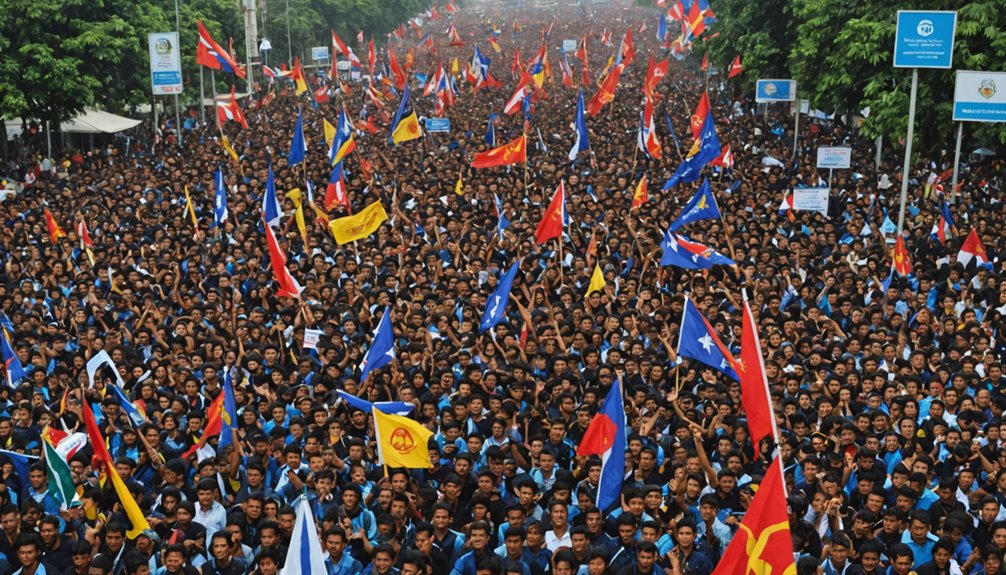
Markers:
<point>98,122</point>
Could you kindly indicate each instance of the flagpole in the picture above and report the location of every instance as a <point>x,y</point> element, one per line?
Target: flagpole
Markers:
<point>213,88</point>
<point>202,97</point>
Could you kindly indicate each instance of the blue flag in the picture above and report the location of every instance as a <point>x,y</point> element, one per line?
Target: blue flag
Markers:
<point>229,416</point>
<point>681,252</point>
<point>605,436</point>
<point>390,407</point>
<point>382,349</point>
<point>702,206</point>
<point>496,304</point>
<point>21,462</point>
<point>705,150</point>
<point>134,415</point>
<point>271,209</point>
<point>12,365</point>
<point>502,222</point>
<point>490,138</point>
<point>580,142</point>
<point>674,135</point>
<point>697,340</point>
<point>298,147</point>
<point>662,28</point>
<point>220,213</point>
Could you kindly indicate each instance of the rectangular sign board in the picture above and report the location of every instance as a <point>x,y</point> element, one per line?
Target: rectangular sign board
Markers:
<point>165,63</point>
<point>834,158</point>
<point>438,125</point>
<point>569,46</point>
<point>811,200</point>
<point>980,97</point>
<point>775,91</point>
<point>924,39</point>
<point>319,53</point>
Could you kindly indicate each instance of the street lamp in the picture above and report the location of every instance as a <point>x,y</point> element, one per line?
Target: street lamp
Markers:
<point>289,45</point>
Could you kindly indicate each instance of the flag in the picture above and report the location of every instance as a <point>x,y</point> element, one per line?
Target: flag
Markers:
<point>12,365</point>
<point>102,461</point>
<point>605,436</point>
<point>335,191</point>
<point>676,11</point>
<point>220,213</point>
<point>698,340</point>
<point>288,286</point>
<point>646,137</point>
<point>459,186</point>
<point>231,111</point>
<point>20,462</point>
<point>705,149</point>
<point>359,225</point>
<point>606,92</point>
<point>662,28</point>
<point>389,407</point>
<point>226,145</point>
<point>655,72</point>
<point>396,70</point>
<point>214,56</point>
<point>271,208</point>
<point>382,348</point>
<point>371,56</point>
<point>696,23</point>
<point>763,544</point>
<point>700,115</point>
<point>490,138</point>
<point>702,206</point>
<point>229,413</point>
<point>786,207</point>
<point>513,105</point>
<point>553,221</point>
<point>211,429</point>
<point>972,249</point>
<point>513,152</point>
<point>338,46</point>
<point>405,126</point>
<point>83,234</point>
<point>135,416</point>
<point>670,128</point>
<point>456,40</point>
<point>755,396</point>
<point>627,51</point>
<point>496,305</point>
<point>299,80</point>
<point>401,442</point>
<point>735,67</point>
<point>641,196</point>
<point>298,146</point>
<point>581,142</point>
<point>495,45</point>
<point>901,263</point>
<point>60,479</point>
<point>597,282</point>
<point>684,253</point>
<point>502,222</point>
<point>297,198</point>
<point>304,555</point>
<point>55,232</point>
<point>567,72</point>
<point>726,159</point>
<point>321,95</point>
<point>944,224</point>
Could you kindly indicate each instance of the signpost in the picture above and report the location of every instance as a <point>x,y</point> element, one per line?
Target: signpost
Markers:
<point>978,97</point>
<point>834,158</point>
<point>165,72</point>
<point>922,39</point>
<point>319,53</point>
<point>773,90</point>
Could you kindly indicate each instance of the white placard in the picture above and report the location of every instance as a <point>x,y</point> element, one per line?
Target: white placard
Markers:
<point>834,157</point>
<point>311,338</point>
<point>165,63</point>
<point>980,96</point>
<point>569,45</point>
<point>811,200</point>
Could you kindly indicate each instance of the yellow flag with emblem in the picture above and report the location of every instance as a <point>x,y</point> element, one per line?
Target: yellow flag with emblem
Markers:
<point>401,442</point>
<point>359,225</point>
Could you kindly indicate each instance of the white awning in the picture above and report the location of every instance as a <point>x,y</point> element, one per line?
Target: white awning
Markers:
<point>98,122</point>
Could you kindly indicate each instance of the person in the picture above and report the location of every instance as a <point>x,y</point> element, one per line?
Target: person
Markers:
<point>646,561</point>
<point>29,554</point>
<point>943,561</point>
<point>686,556</point>
<point>57,549</point>
<point>223,561</point>
<point>478,540</point>
<point>382,561</point>
<point>80,556</point>
<point>337,561</point>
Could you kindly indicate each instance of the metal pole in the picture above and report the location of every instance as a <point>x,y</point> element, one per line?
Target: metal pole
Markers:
<point>796,127</point>
<point>880,150</point>
<point>213,86</point>
<point>202,98</point>
<point>153,110</point>
<point>289,44</point>
<point>178,113</point>
<point>957,162</point>
<point>908,150</point>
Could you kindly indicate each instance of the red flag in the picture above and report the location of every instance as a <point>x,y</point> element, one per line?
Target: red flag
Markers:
<point>338,45</point>
<point>214,56</point>
<point>553,220</point>
<point>231,111</point>
<point>335,192</point>
<point>606,93</point>
<point>705,62</point>
<point>371,56</point>
<point>513,105</point>
<point>214,419</point>
<point>513,152</point>
<point>288,287</point>
<point>655,72</point>
<point>676,11</point>
<point>696,20</point>
<point>763,545</point>
<point>755,395</point>
<point>699,117</point>
<point>396,70</point>
<point>100,457</point>
<point>902,265</point>
<point>628,51</point>
<point>726,159</point>
<point>82,233</point>
<point>517,66</point>
<point>735,67</point>
<point>55,232</point>
<point>641,196</point>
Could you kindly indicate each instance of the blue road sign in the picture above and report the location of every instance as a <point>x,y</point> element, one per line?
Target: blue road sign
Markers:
<point>924,39</point>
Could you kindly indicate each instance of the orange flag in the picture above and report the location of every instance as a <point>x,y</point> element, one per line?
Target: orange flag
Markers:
<point>513,152</point>
<point>641,196</point>
<point>55,232</point>
<point>901,263</point>
<point>735,67</point>
<point>606,93</point>
<point>763,544</point>
<point>754,386</point>
<point>212,425</point>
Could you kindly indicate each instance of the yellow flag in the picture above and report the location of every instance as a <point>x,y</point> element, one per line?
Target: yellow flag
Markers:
<point>359,225</point>
<point>454,67</point>
<point>192,211</point>
<point>596,280</point>
<point>401,442</point>
<point>407,129</point>
<point>459,187</point>
<point>129,505</point>
<point>230,151</point>
<point>297,198</point>
<point>329,132</point>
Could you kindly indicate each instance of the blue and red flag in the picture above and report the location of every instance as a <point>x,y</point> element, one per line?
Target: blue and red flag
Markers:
<point>214,56</point>
<point>698,340</point>
<point>605,436</point>
<point>944,226</point>
<point>681,252</point>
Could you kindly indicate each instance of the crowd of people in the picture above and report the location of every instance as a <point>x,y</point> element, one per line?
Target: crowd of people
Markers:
<point>889,402</point>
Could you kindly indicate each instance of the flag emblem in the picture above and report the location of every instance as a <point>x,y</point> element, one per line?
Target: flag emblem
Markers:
<point>987,88</point>
<point>402,441</point>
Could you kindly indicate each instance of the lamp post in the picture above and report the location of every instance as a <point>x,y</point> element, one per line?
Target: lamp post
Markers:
<point>178,114</point>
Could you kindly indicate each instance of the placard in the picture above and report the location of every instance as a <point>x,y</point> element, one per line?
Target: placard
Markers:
<point>438,125</point>
<point>569,45</point>
<point>980,97</point>
<point>834,157</point>
<point>924,39</point>
<point>775,91</point>
<point>811,200</point>
<point>312,337</point>
<point>319,53</point>
<point>165,63</point>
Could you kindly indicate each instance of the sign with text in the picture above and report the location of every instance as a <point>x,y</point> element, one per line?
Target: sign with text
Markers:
<point>319,53</point>
<point>438,125</point>
<point>980,97</point>
<point>165,63</point>
<point>834,157</point>
<point>924,39</point>
<point>569,45</point>
<point>775,91</point>
<point>811,200</point>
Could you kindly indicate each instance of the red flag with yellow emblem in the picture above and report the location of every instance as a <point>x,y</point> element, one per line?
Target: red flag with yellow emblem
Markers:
<point>902,265</point>
<point>763,545</point>
<point>513,152</point>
